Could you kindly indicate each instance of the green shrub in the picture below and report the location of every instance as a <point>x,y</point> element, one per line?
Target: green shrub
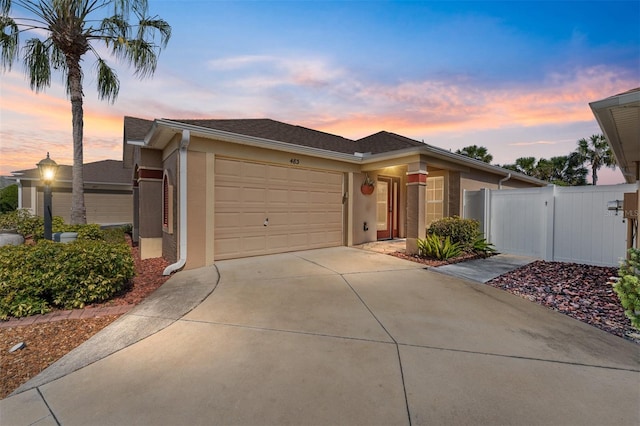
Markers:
<point>114,235</point>
<point>22,222</point>
<point>90,231</point>
<point>481,246</point>
<point>461,231</point>
<point>9,198</point>
<point>439,248</point>
<point>27,225</point>
<point>628,286</point>
<point>33,279</point>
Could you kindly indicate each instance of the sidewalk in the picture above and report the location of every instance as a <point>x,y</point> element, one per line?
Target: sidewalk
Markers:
<point>102,311</point>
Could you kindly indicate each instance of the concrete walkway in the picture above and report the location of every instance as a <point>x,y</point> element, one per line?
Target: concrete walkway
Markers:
<point>336,336</point>
<point>483,270</point>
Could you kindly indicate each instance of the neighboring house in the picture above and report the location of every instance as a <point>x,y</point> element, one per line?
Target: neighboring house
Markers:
<point>108,193</point>
<point>619,119</point>
<point>206,190</point>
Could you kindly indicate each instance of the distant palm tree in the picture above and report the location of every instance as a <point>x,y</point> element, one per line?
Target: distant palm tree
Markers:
<point>64,31</point>
<point>478,152</point>
<point>524,165</point>
<point>597,152</point>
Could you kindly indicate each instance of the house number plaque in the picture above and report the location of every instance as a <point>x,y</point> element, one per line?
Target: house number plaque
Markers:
<point>295,161</point>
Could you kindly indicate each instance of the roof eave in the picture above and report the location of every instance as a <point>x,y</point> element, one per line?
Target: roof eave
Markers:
<point>602,112</point>
<point>442,154</point>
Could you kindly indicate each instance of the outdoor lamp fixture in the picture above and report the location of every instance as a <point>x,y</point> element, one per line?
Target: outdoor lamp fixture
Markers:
<point>47,169</point>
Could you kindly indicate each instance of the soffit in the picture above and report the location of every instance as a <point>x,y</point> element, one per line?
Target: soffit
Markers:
<point>619,119</point>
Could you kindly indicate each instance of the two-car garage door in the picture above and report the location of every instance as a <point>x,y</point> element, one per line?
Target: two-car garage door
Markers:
<point>265,209</point>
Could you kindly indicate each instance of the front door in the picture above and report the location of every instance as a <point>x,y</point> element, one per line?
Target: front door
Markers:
<point>387,208</point>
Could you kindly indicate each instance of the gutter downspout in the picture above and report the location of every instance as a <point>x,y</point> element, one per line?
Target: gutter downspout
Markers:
<point>504,179</point>
<point>182,202</point>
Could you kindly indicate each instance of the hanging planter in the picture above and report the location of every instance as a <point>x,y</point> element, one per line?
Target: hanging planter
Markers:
<point>367,186</point>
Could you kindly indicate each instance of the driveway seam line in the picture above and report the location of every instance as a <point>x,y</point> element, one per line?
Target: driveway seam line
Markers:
<point>47,405</point>
<point>307,333</point>
<point>519,357</point>
<point>404,385</point>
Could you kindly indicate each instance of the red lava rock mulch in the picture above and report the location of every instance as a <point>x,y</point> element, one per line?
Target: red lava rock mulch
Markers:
<point>579,291</point>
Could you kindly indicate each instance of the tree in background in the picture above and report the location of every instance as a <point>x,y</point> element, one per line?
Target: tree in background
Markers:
<point>562,170</point>
<point>477,152</point>
<point>64,31</point>
<point>9,198</point>
<point>524,165</point>
<point>597,152</point>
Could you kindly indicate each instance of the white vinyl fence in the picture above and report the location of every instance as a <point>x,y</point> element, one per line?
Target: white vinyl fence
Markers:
<point>565,224</point>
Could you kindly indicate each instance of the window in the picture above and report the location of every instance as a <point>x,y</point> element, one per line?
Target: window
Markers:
<point>435,199</point>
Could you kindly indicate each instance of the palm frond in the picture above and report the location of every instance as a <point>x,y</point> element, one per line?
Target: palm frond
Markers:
<point>148,27</point>
<point>37,64</point>
<point>5,7</point>
<point>108,83</point>
<point>113,30</point>
<point>8,42</point>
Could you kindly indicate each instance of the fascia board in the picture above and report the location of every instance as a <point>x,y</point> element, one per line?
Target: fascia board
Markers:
<point>618,100</point>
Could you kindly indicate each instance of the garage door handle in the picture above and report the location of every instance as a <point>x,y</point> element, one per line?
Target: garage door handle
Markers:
<point>266,222</point>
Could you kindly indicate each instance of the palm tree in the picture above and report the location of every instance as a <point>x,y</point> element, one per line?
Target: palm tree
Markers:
<point>597,152</point>
<point>524,165</point>
<point>477,152</point>
<point>65,31</point>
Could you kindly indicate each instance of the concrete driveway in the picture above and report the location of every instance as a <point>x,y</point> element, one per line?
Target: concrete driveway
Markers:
<point>337,336</point>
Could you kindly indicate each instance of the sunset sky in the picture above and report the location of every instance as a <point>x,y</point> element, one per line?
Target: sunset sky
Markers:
<point>513,76</point>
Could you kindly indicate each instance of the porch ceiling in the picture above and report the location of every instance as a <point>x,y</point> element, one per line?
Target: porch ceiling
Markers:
<point>619,119</point>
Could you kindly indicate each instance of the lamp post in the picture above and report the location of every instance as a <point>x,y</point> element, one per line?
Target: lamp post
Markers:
<point>47,169</point>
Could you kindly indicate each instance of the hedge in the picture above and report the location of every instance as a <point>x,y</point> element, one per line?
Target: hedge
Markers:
<point>36,278</point>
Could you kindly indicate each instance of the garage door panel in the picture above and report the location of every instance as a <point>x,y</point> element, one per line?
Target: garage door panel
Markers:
<point>299,218</point>
<point>277,196</point>
<point>253,171</point>
<point>278,174</point>
<point>299,175</point>
<point>299,197</point>
<point>304,208</point>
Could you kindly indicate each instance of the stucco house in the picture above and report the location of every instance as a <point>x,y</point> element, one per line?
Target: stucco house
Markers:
<point>108,192</point>
<point>619,119</point>
<point>206,190</point>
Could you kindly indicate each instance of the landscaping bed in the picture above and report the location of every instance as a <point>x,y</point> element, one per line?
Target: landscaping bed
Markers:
<point>579,291</point>
<point>48,342</point>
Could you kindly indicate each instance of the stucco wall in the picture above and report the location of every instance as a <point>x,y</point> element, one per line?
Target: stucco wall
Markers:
<point>170,236</point>
<point>197,209</point>
<point>364,211</point>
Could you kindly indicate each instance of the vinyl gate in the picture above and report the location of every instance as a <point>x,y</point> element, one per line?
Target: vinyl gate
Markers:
<point>565,224</point>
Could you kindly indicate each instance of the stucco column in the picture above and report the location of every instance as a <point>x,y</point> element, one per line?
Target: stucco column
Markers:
<point>416,199</point>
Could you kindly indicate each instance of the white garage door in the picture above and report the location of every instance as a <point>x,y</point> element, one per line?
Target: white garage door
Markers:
<point>265,209</point>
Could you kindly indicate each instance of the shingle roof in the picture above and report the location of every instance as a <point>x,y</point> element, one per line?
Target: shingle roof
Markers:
<point>278,131</point>
<point>136,128</point>
<point>105,171</point>
<point>384,142</point>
